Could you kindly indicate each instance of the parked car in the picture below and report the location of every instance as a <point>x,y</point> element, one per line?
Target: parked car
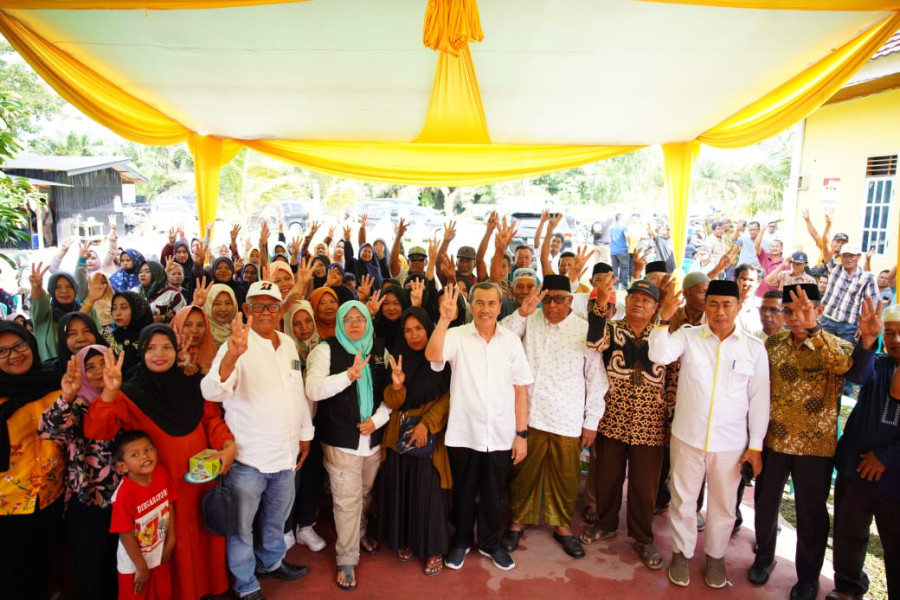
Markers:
<point>170,212</point>
<point>293,212</point>
<point>527,224</point>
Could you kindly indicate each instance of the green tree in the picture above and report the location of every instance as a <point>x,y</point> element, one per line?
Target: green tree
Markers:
<point>18,81</point>
<point>250,180</point>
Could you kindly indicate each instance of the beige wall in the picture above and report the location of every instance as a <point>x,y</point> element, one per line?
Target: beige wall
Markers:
<point>839,139</point>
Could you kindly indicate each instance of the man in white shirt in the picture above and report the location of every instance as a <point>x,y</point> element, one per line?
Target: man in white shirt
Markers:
<point>721,416</point>
<point>487,426</point>
<point>565,406</point>
<point>256,376</point>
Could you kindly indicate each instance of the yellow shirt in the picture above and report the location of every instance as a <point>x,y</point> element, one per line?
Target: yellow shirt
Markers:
<point>37,468</point>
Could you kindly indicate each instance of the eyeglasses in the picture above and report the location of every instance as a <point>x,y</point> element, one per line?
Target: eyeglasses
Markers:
<point>21,347</point>
<point>354,321</point>
<point>555,299</point>
<point>258,308</point>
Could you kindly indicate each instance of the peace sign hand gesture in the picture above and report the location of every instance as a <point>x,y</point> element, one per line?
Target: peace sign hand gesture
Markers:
<point>112,373</point>
<point>530,303</point>
<point>870,323</point>
<point>806,311</point>
<point>202,291</point>
<point>37,276</point>
<point>71,380</point>
<point>355,370</point>
<point>398,377</point>
<point>375,302</point>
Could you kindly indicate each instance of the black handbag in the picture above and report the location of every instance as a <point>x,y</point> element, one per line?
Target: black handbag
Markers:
<point>220,516</point>
<point>404,439</point>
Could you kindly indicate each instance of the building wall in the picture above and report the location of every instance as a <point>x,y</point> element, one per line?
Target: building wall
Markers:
<point>838,141</point>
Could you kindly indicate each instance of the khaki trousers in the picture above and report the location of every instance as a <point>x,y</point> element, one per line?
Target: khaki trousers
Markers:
<point>550,471</point>
<point>689,465</point>
<point>351,480</point>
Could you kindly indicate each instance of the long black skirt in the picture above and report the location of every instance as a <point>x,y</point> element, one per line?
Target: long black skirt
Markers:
<point>412,507</point>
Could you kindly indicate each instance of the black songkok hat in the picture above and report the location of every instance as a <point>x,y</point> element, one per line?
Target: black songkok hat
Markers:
<point>657,266</point>
<point>721,287</point>
<point>811,289</point>
<point>557,282</point>
<point>601,267</point>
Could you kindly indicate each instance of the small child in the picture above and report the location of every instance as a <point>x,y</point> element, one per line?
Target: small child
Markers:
<point>143,514</point>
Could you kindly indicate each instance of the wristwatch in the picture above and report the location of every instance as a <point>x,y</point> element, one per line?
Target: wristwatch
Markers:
<point>813,330</point>
<point>523,434</point>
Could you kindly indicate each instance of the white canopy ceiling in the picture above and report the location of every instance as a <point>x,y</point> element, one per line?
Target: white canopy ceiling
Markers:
<point>550,72</point>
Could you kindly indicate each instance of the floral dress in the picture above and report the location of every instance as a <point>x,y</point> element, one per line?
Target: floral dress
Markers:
<point>91,475</point>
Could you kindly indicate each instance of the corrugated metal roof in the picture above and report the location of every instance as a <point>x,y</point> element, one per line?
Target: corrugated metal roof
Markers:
<point>76,165</point>
<point>38,182</point>
<point>892,45</point>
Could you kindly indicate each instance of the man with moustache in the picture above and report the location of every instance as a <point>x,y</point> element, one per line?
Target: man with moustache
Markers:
<point>770,315</point>
<point>868,459</point>
<point>720,422</point>
<point>632,430</point>
<point>487,428</point>
<point>565,405</point>
<point>807,367</point>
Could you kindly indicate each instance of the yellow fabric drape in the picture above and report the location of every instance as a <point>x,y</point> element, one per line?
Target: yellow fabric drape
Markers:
<point>451,25</point>
<point>136,4</point>
<point>433,164</point>
<point>210,153</point>
<point>843,5</point>
<point>91,93</point>
<point>679,160</point>
<point>455,112</point>
<point>799,97</point>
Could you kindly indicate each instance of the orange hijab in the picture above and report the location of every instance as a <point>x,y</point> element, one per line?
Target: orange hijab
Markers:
<point>202,356</point>
<point>325,331</point>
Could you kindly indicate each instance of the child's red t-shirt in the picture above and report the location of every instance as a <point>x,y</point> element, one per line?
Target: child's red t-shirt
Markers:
<point>144,511</point>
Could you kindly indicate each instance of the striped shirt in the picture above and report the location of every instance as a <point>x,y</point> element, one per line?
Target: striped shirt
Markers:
<point>845,293</point>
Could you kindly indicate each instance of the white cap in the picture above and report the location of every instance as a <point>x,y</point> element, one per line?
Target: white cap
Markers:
<point>891,313</point>
<point>264,288</point>
<point>850,249</point>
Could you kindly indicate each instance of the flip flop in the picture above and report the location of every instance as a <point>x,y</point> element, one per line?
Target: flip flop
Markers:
<point>650,556</point>
<point>594,534</point>
<point>589,516</point>
<point>405,554</point>
<point>434,565</point>
<point>347,572</point>
<point>368,545</point>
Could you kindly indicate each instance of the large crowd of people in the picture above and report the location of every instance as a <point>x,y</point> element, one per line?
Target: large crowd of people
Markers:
<point>425,388</point>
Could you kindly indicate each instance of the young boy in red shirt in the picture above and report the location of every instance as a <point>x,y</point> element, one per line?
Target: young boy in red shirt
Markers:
<point>143,514</point>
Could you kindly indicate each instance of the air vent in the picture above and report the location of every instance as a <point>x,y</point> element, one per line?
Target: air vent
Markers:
<point>881,166</point>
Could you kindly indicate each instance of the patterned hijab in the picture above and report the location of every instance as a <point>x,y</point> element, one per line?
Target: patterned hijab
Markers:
<point>203,354</point>
<point>123,280</point>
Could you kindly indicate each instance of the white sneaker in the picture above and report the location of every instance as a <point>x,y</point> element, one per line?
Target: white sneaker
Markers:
<point>308,537</point>
<point>289,540</point>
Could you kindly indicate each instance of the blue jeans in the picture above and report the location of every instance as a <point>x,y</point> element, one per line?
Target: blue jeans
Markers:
<point>272,495</point>
<point>621,264</point>
<point>845,331</point>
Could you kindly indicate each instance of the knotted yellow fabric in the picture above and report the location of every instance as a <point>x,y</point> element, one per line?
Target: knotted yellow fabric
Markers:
<point>451,24</point>
<point>679,161</point>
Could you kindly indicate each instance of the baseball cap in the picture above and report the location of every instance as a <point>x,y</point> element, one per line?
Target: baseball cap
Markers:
<point>466,252</point>
<point>524,272</point>
<point>417,250</point>
<point>264,288</point>
<point>841,237</point>
<point>851,249</point>
<point>800,257</point>
<point>646,287</point>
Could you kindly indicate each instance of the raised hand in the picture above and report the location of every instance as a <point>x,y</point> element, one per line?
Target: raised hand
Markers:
<point>313,228</point>
<point>335,277</point>
<point>671,302</point>
<point>172,236</point>
<point>554,221</point>
<point>493,220</point>
<point>870,323</point>
<point>505,234</point>
<point>200,254</point>
<point>582,255</point>
<point>398,377</point>
<point>36,279</point>
<point>530,303</point>
<point>433,245</point>
<point>238,265</point>
<point>183,356</point>
<point>201,293</point>
<point>112,221</point>
<point>295,246</point>
<point>304,276</point>
<point>448,303</point>
<point>112,370</point>
<point>374,303</point>
<point>97,286</point>
<point>449,232</point>
<point>64,247</point>
<point>71,380</point>
<point>806,310</point>
<point>402,226</point>
<point>355,370</point>
<point>346,233</point>
<point>235,230</point>
<point>364,288</point>
<point>237,343</point>
<point>805,214</point>
<point>729,257</point>
<point>209,228</point>
<point>264,233</point>
<point>330,232</point>
<point>280,225</point>
<point>363,218</point>
<point>449,268</point>
<point>604,288</point>
<point>416,292</point>
<point>640,260</point>
<point>84,250</point>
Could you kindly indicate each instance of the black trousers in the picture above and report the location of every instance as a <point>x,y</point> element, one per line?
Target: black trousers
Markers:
<point>28,544</point>
<point>308,489</point>
<point>92,550</point>
<point>854,507</point>
<point>812,483</point>
<point>482,475</point>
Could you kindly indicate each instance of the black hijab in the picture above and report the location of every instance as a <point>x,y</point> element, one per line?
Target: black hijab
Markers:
<point>320,281</point>
<point>172,400</point>
<point>22,389</point>
<point>422,384</point>
<point>56,307</point>
<point>62,348</point>
<point>127,336</point>
<point>159,281</point>
<point>240,292</point>
<point>386,329</point>
<point>189,282</point>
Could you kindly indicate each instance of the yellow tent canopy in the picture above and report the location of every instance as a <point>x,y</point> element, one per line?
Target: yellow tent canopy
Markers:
<point>448,93</point>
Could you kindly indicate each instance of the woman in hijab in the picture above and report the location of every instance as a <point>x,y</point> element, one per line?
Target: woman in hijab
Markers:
<point>164,300</point>
<point>221,307</point>
<point>98,303</point>
<point>223,272</point>
<point>47,308</point>
<point>387,321</point>
<point>383,258</point>
<point>320,270</point>
<point>32,470</point>
<point>324,302</point>
<point>182,255</point>
<point>91,476</point>
<point>126,278</point>
<point>335,281</point>
<point>346,376</point>
<point>160,399</point>
<point>75,331</point>
<point>249,275</point>
<point>364,264</point>
<point>131,314</point>
<point>300,325</point>
<point>198,349</point>
<point>413,490</point>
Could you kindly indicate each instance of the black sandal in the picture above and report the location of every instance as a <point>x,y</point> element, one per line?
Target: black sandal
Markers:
<point>367,544</point>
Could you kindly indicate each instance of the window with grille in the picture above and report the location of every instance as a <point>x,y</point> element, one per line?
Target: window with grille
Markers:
<point>881,175</point>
